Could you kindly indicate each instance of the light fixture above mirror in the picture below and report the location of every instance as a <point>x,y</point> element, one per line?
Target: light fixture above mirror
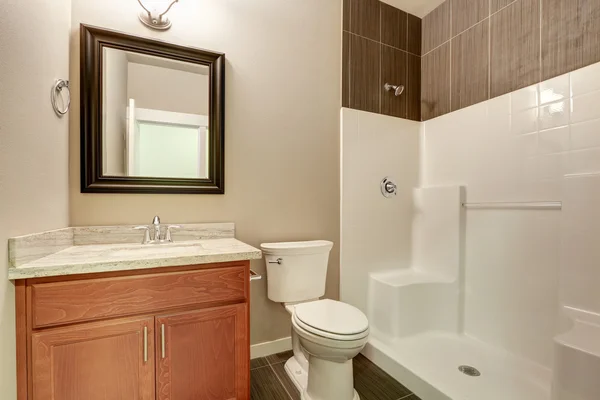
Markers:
<point>154,13</point>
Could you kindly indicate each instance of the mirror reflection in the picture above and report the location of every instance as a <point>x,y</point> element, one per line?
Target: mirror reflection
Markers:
<point>155,116</point>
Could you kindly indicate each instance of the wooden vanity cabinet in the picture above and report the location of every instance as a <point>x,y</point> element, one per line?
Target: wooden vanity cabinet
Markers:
<point>179,333</point>
<point>217,336</point>
<point>95,361</point>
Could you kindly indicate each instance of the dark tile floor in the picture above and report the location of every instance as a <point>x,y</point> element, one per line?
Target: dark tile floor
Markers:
<point>269,381</point>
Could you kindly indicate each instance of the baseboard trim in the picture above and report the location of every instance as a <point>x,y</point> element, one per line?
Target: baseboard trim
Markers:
<point>268,348</point>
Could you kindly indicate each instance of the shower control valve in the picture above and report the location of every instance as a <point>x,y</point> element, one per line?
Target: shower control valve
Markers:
<point>388,187</point>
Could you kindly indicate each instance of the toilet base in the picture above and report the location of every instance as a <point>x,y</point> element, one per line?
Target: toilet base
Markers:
<point>297,374</point>
<point>305,396</point>
<point>299,377</point>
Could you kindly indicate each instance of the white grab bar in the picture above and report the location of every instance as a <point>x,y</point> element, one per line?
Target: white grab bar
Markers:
<point>536,205</point>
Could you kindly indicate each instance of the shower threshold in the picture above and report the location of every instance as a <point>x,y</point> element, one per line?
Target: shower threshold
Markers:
<point>427,363</point>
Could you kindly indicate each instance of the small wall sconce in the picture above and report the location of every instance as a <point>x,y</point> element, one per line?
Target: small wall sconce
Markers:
<point>153,17</point>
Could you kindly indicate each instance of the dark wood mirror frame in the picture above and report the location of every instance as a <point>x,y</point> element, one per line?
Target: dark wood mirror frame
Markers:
<point>93,41</point>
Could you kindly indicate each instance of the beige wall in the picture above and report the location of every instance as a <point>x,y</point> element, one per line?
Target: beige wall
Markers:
<point>282,127</point>
<point>114,116</point>
<point>160,88</point>
<point>33,142</point>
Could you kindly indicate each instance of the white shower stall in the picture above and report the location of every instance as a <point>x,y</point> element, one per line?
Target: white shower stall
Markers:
<point>488,257</point>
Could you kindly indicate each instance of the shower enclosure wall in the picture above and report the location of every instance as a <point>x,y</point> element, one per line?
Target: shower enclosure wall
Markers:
<point>508,287</point>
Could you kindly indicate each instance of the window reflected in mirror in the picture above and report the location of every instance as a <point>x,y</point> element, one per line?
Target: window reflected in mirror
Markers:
<point>155,116</point>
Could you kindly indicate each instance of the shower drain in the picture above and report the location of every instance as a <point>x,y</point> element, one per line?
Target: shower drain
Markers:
<point>468,370</point>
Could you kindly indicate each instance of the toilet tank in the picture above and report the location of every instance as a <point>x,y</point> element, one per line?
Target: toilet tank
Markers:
<point>296,271</point>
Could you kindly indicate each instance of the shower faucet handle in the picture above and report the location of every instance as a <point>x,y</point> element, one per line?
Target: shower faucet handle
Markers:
<point>388,187</point>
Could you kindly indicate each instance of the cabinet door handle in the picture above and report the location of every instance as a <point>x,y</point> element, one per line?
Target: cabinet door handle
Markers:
<point>145,344</point>
<point>162,339</point>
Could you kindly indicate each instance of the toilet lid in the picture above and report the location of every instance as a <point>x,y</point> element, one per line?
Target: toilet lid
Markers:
<point>332,316</point>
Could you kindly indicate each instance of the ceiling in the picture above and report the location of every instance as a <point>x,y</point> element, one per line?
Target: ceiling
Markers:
<point>420,8</point>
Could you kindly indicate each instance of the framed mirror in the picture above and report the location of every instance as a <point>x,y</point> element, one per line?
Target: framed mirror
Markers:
<point>152,115</point>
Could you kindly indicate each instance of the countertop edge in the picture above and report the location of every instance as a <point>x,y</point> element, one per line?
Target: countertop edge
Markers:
<point>19,273</point>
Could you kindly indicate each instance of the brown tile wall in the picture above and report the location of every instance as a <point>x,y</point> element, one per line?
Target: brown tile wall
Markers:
<point>474,50</point>
<point>462,53</point>
<point>381,44</point>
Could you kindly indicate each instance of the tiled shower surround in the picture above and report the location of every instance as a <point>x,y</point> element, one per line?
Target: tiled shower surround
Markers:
<point>381,44</point>
<point>471,51</point>
<point>529,277</point>
<point>474,50</point>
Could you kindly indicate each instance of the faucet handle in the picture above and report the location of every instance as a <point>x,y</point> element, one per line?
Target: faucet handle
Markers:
<point>146,233</point>
<point>168,238</point>
<point>156,220</point>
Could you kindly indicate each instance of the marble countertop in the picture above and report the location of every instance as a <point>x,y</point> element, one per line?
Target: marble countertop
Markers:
<point>122,257</point>
<point>55,253</point>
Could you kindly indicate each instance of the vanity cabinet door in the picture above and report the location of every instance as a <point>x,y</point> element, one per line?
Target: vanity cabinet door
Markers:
<point>204,355</point>
<point>110,360</point>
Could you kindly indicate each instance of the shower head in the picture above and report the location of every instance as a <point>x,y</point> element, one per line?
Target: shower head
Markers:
<point>397,89</point>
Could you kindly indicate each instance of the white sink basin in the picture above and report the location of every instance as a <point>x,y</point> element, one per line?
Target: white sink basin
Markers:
<point>155,249</point>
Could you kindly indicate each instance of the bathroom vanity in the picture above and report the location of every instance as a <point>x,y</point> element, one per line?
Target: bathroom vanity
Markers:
<point>123,320</point>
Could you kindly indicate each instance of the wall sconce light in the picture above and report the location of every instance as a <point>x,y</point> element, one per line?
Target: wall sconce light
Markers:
<point>153,17</point>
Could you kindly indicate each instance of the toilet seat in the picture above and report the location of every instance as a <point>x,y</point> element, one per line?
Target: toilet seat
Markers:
<point>331,319</point>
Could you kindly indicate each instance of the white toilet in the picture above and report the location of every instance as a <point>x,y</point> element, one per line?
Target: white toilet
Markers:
<point>326,334</point>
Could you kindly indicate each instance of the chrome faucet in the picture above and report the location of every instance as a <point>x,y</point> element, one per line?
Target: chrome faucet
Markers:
<point>157,237</point>
<point>156,223</point>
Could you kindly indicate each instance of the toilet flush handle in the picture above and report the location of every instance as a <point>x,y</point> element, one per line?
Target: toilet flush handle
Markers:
<point>278,261</point>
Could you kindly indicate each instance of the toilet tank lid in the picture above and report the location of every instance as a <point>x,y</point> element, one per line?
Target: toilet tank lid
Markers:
<point>308,247</point>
